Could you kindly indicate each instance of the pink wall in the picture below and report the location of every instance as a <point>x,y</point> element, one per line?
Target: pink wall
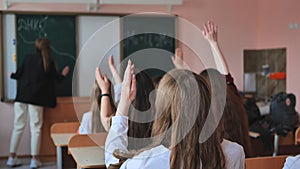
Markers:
<point>273,24</point>
<point>236,20</point>
<point>242,25</point>
<point>237,31</point>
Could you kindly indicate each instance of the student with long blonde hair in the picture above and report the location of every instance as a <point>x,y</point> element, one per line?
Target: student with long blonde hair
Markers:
<point>183,102</point>
<point>91,120</point>
<point>36,89</point>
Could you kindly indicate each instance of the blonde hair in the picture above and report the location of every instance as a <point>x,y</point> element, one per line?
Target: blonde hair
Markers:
<point>182,104</point>
<point>184,97</point>
<point>96,107</point>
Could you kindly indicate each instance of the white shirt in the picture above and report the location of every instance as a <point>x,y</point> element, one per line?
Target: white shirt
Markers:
<point>292,162</point>
<point>86,123</point>
<point>158,157</point>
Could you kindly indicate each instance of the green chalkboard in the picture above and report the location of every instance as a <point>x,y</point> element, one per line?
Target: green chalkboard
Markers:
<point>150,40</point>
<point>60,30</point>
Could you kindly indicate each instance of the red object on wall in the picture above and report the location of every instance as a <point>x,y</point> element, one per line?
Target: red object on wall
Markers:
<point>277,75</point>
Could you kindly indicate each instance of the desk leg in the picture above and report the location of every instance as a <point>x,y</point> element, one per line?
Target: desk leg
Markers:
<point>59,157</point>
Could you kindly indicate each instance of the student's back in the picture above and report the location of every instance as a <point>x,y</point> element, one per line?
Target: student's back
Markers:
<point>234,121</point>
<point>91,120</point>
<point>37,85</point>
<point>176,132</point>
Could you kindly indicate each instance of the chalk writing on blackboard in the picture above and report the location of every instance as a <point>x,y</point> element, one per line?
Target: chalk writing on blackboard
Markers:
<point>36,25</point>
<point>149,40</point>
<point>60,30</point>
<point>63,54</point>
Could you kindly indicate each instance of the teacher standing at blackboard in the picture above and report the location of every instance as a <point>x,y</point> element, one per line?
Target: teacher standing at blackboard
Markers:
<point>36,78</point>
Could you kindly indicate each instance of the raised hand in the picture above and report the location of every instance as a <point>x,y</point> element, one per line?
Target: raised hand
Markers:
<point>113,70</point>
<point>102,82</point>
<point>128,90</point>
<point>210,32</point>
<point>178,59</point>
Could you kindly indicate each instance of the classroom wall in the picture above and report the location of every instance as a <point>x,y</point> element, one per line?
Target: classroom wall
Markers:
<point>241,24</point>
<point>273,24</point>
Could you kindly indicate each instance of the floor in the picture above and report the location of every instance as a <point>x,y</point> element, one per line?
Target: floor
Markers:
<point>26,162</point>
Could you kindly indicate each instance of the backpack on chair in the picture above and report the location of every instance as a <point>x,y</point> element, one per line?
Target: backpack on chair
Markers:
<point>284,117</point>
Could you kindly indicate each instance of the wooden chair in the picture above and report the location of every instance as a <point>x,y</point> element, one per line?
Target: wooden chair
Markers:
<point>66,127</point>
<point>265,162</point>
<point>88,150</point>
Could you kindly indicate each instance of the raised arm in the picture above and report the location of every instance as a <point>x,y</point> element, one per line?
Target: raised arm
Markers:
<point>114,71</point>
<point>210,31</point>
<point>106,112</point>
<point>128,91</point>
<point>117,136</point>
<point>117,78</point>
<point>178,59</point>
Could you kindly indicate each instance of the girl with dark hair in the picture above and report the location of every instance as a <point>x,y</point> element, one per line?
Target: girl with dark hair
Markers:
<point>36,89</point>
<point>234,122</point>
<point>139,114</point>
<point>235,119</point>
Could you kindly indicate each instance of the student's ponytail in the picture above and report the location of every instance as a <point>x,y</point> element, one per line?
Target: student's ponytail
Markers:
<point>42,46</point>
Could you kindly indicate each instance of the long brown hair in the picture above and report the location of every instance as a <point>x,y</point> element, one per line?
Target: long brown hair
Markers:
<point>140,115</point>
<point>183,98</point>
<point>235,120</point>
<point>42,46</point>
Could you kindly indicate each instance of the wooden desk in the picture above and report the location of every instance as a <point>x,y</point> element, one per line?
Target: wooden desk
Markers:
<point>68,109</point>
<point>88,157</point>
<point>265,162</point>
<point>61,134</point>
<point>88,150</point>
<point>60,141</point>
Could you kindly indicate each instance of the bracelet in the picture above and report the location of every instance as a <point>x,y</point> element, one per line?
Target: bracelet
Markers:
<point>105,94</point>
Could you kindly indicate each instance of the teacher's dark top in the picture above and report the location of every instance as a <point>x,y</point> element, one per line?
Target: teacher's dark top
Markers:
<point>35,85</point>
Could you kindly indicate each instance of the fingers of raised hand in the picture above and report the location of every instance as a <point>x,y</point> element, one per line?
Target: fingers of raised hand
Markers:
<point>128,73</point>
<point>105,79</point>
<point>133,88</point>
<point>98,76</point>
<point>111,61</point>
<point>205,29</point>
<point>179,53</point>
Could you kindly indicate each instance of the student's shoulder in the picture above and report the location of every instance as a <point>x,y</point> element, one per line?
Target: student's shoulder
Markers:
<point>292,162</point>
<point>157,157</point>
<point>231,148</point>
<point>29,56</point>
<point>86,116</point>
